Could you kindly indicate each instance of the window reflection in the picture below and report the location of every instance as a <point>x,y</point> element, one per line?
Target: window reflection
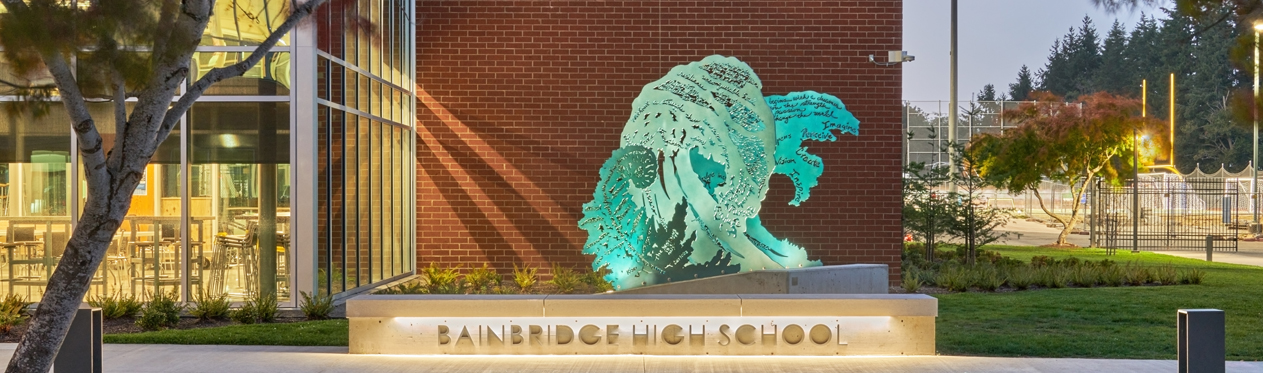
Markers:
<point>270,77</point>
<point>245,22</point>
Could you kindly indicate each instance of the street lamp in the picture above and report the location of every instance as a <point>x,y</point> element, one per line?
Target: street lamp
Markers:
<point>1254,163</point>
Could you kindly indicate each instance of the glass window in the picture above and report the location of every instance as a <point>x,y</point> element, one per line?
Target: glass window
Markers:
<point>245,22</point>
<point>34,189</point>
<point>269,77</point>
<point>240,150</point>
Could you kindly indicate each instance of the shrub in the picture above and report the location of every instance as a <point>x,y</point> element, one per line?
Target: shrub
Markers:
<point>160,312</point>
<point>257,307</point>
<point>1053,277</point>
<point>565,279</point>
<point>10,320</point>
<point>265,306</point>
<point>210,307</point>
<point>316,308</point>
<point>525,277</point>
<point>1136,275</point>
<point>987,278</point>
<point>410,287</point>
<point>1042,261</point>
<point>596,279</point>
<point>1021,278</point>
<point>480,280</point>
<point>116,306</point>
<point>14,304</point>
<point>1112,275</point>
<point>955,279</point>
<point>244,314</point>
<point>443,281</point>
<point>12,310</point>
<point>1070,262</point>
<point>1083,275</point>
<point>1166,275</point>
<point>911,282</point>
<point>1192,276</point>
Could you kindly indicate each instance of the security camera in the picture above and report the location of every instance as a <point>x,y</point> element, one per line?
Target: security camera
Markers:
<point>893,58</point>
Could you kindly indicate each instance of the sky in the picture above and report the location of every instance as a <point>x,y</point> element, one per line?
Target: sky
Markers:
<point>995,37</point>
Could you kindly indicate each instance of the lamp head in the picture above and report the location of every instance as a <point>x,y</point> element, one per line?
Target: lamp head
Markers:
<point>1258,26</point>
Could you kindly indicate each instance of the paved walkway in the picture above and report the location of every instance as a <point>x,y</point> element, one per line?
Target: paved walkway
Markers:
<point>272,359</point>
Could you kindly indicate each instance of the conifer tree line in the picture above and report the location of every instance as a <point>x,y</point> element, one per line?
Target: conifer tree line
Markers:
<point>1197,50</point>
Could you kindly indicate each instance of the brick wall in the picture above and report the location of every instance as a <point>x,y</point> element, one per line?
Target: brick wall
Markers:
<point>522,101</point>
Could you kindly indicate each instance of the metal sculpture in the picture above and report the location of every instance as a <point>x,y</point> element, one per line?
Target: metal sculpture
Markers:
<point>680,198</point>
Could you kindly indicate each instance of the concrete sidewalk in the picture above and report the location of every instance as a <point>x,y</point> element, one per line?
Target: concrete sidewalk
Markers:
<point>273,359</point>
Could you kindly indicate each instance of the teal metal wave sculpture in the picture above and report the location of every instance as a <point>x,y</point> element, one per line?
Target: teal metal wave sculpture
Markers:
<point>680,198</point>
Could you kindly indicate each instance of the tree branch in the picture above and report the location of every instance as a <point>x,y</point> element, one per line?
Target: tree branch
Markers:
<point>220,73</point>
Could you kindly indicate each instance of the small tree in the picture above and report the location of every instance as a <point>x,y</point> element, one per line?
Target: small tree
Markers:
<point>976,222</point>
<point>123,49</point>
<point>1063,142</point>
<point>931,210</point>
<point>925,210</point>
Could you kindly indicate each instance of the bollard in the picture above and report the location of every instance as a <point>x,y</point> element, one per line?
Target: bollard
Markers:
<point>1201,340</point>
<point>81,350</point>
<point>1210,247</point>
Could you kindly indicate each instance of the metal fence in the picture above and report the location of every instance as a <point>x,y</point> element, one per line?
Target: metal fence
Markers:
<point>925,126</point>
<point>1170,212</point>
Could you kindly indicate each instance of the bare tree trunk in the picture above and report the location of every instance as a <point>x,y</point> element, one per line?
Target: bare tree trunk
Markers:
<point>1066,223</point>
<point>69,283</point>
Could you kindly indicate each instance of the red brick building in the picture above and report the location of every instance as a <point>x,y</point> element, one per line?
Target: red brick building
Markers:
<point>522,101</point>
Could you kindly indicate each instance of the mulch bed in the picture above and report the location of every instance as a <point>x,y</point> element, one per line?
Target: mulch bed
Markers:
<point>128,325</point>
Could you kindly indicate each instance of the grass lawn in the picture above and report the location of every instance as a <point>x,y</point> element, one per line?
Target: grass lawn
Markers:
<point>307,333</point>
<point>1122,322</point>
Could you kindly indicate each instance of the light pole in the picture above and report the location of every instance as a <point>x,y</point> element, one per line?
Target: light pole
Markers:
<point>1135,183</point>
<point>1254,159</point>
<point>951,116</point>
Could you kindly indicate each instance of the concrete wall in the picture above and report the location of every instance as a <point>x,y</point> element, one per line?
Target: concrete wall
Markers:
<point>522,101</point>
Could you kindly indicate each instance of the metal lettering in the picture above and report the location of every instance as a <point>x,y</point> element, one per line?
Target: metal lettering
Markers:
<point>588,334</point>
<point>464,336</point>
<point>821,334</point>
<point>745,335</point>
<point>793,334</point>
<point>723,333</point>
<point>611,334</point>
<point>443,338</point>
<point>768,337</point>
<point>698,339</point>
<point>564,334</point>
<point>491,335</point>
<point>515,334</point>
<point>535,331</point>
<point>642,339</point>
<point>671,334</point>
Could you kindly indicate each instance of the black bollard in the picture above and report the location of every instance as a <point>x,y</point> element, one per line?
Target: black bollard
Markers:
<point>1201,341</point>
<point>81,350</point>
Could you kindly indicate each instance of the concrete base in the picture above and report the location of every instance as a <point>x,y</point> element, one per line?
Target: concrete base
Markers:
<point>841,279</point>
<point>653,324</point>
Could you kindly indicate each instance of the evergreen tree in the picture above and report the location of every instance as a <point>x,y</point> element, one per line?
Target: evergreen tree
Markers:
<point>1055,76</point>
<point>1115,72</point>
<point>987,94</point>
<point>1084,59</point>
<point>1021,90</point>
